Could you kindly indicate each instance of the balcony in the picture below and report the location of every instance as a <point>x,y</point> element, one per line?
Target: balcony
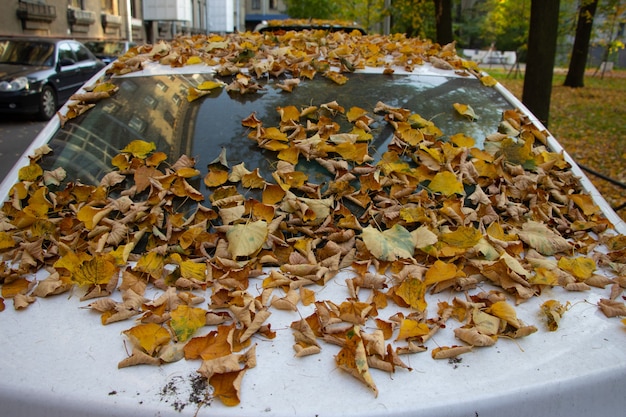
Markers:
<point>110,22</point>
<point>35,12</point>
<point>80,17</point>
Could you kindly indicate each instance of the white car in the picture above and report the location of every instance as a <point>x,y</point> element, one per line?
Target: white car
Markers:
<point>309,224</point>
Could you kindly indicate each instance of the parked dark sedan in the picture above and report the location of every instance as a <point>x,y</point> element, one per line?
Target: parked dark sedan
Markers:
<point>38,74</point>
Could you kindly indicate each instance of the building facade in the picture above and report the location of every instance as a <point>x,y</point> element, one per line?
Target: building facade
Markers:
<point>78,19</point>
<point>259,10</point>
<point>139,21</point>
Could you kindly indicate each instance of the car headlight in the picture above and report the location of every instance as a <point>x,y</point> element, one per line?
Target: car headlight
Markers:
<point>16,84</point>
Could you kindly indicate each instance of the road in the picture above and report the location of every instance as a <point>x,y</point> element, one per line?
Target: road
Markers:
<point>16,134</point>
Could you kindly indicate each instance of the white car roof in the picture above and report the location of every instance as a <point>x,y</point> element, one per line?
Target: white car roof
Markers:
<point>58,360</point>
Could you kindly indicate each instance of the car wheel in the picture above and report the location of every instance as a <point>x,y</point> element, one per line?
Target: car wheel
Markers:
<point>47,103</point>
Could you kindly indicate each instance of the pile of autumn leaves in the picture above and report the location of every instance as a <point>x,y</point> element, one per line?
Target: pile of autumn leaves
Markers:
<point>436,214</point>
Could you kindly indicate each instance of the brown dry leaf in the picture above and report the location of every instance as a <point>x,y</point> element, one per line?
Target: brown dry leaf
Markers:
<point>473,337</point>
<point>448,352</point>
<point>52,285</point>
<point>21,301</point>
<point>17,286</point>
<point>138,357</point>
<point>305,339</point>
<point>227,387</point>
<point>213,345</point>
<point>352,358</point>
<point>541,238</point>
<point>612,308</point>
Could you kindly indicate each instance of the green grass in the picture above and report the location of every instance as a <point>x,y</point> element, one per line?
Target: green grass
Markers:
<point>590,123</point>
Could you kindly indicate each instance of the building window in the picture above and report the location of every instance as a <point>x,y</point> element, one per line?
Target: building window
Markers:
<point>256,4</point>
<point>162,86</point>
<point>150,101</point>
<point>78,4</point>
<point>107,6</point>
<point>137,124</point>
<point>273,4</point>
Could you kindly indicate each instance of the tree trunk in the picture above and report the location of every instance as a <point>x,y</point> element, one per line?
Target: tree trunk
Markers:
<point>578,62</point>
<point>443,17</point>
<point>542,36</point>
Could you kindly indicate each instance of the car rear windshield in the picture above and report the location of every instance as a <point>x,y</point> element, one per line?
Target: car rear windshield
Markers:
<point>156,109</point>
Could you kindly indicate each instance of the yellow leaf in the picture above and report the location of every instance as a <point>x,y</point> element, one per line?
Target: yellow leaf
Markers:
<point>139,148</point>
<point>338,78</point>
<point>6,240</point>
<point>463,237</point>
<point>253,180</point>
<point>412,328</point>
<point>273,133</point>
<point>506,312</point>
<point>446,183</point>
<point>440,271</point>
<point>96,271</point>
<point>288,114</point>
<point>30,172</point>
<point>354,113</point>
<point>216,176</point>
<point>187,172</point>
<point>91,216</point>
<point>353,151</point>
<point>462,141</point>
<point>412,291</point>
<point>105,88</point>
<point>121,162</point>
<point>193,270</point>
<point>246,239</point>
<point>465,110</point>
<point>486,324</point>
<point>553,310</point>
<point>155,159</point>
<point>289,154</point>
<point>151,263</point>
<point>581,267</point>
<point>409,135</point>
<point>390,244</point>
<point>148,336</point>
<point>544,276</point>
<point>585,202</point>
<point>193,60</point>
<point>518,153</point>
<point>488,80</point>
<point>185,320</point>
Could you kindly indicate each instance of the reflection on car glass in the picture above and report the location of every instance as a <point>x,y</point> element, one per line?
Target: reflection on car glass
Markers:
<point>153,109</point>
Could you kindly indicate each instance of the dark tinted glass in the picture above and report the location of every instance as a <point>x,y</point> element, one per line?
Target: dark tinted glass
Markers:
<point>156,109</point>
<point>26,52</point>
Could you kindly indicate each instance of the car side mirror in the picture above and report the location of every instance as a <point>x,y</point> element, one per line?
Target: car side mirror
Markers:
<point>67,61</point>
